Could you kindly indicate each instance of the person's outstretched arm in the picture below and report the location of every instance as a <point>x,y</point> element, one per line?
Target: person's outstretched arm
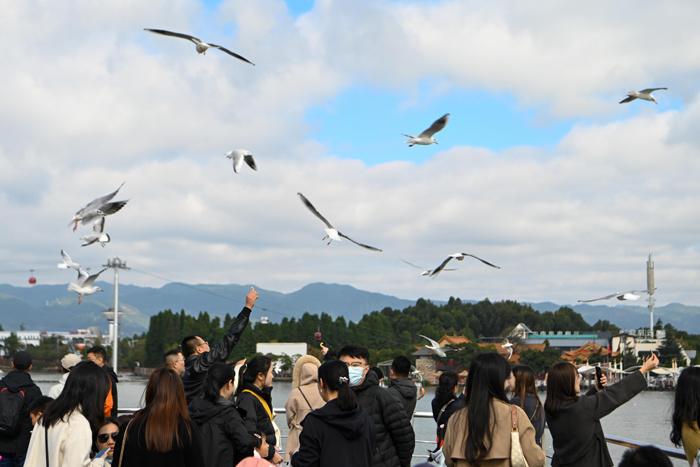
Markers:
<point>220,351</point>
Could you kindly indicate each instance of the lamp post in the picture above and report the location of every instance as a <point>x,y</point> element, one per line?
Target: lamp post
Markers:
<point>116,264</point>
<point>650,290</point>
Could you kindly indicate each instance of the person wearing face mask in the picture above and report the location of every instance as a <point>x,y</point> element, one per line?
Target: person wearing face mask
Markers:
<point>222,433</point>
<point>254,398</point>
<point>394,439</point>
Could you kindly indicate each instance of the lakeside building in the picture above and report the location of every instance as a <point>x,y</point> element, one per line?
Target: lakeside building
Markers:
<point>79,338</point>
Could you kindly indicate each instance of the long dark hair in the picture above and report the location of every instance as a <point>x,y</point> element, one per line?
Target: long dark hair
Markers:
<point>486,380</point>
<point>524,385</point>
<point>86,387</point>
<point>166,408</point>
<point>445,391</point>
<point>217,376</point>
<point>249,371</point>
<point>335,377</point>
<point>561,387</point>
<point>686,406</point>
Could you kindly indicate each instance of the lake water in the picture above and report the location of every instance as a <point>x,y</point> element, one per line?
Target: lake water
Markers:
<point>646,418</point>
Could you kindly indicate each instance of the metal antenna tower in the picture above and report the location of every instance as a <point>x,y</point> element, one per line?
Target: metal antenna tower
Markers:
<point>651,288</point>
<point>116,264</point>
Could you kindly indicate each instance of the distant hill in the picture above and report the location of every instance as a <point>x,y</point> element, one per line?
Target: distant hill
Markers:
<point>52,307</point>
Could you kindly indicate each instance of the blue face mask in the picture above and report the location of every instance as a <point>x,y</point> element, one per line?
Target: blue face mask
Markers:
<point>356,374</point>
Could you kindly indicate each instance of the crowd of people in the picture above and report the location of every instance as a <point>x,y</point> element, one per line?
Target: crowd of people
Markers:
<point>200,410</point>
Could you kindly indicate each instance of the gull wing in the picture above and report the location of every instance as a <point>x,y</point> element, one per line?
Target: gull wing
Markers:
<point>607,297</point>
<point>482,260</point>
<point>67,261</point>
<point>442,265</point>
<point>627,99</point>
<point>196,40</point>
<point>311,208</point>
<point>111,208</point>
<point>233,54</point>
<point>437,125</point>
<point>91,279</point>
<point>433,343</point>
<point>82,275</point>
<point>99,202</point>
<point>414,265</point>
<point>248,158</point>
<point>341,234</point>
<point>650,90</point>
<point>99,225</point>
<point>237,159</point>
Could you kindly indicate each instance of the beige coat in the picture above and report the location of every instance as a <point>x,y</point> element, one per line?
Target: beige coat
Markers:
<point>304,384</point>
<point>499,452</point>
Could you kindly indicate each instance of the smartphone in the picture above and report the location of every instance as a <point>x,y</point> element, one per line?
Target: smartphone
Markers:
<point>598,375</point>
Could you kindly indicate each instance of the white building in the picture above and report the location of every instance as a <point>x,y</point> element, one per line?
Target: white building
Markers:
<point>25,338</point>
<point>34,338</point>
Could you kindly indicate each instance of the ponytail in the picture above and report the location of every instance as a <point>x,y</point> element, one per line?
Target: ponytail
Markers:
<point>335,377</point>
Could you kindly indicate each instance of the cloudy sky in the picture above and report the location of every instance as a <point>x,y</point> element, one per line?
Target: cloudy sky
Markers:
<point>540,170</point>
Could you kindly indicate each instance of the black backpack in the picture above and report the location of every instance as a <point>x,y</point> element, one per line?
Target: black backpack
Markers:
<point>11,405</point>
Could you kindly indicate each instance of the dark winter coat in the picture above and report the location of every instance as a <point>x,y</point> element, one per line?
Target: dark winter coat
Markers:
<point>222,433</point>
<point>15,381</point>
<point>333,437</point>
<point>115,395</point>
<point>441,416</point>
<point>394,438</point>
<point>535,412</point>
<point>577,436</point>
<point>255,416</point>
<point>136,455</point>
<point>196,366</point>
<point>405,390</point>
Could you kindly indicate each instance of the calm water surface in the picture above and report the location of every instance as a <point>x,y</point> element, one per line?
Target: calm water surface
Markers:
<point>645,418</point>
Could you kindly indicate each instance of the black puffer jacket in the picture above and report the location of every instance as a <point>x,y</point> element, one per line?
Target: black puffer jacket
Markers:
<point>394,437</point>
<point>405,390</point>
<point>222,434</point>
<point>255,416</point>
<point>196,366</point>
<point>335,437</point>
<point>15,381</point>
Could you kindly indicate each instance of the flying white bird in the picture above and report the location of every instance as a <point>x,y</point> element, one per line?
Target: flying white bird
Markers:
<point>331,232</point>
<point>644,94</point>
<point>425,272</point>
<point>459,257</point>
<point>98,234</point>
<point>509,347</point>
<point>98,207</point>
<point>631,295</point>
<point>85,284</point>
<point>68,262</point>
<point>426,137</point>
<point>434,346</point>
<point>238,156</point>
<point>201,46</point>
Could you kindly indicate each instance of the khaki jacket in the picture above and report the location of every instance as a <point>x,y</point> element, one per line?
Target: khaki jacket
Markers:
<point>499,452</point>
<point>304,388</point>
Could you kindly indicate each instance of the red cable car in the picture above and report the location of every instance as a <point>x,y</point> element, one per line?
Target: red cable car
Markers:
<point>32,279</point>
<point>318,336</point>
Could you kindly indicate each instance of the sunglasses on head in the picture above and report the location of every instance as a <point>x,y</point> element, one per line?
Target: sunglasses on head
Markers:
<point>104,437</point>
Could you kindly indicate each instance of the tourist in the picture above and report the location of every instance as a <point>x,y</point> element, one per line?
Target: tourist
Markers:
<point>394,438</point>
<point>574,420</point>
<point>401,386</point>
<point>645,456</point>
<point>446,402</point>
<point>340,432</point>
<point>685,423</point>
<point>480,433</point>
<point>174,360</point>
<point>525,396</point>
<point>255,398</point>
<point>106,438</point>
<point>199,355</point>
<point>98,354</point>
<point>160,434</point>
<point>38,407</point>
<point>304,398</point>
<point>67,362</point>
<point>17,393</point>
<point>66,430</point>
<point>222,433</point>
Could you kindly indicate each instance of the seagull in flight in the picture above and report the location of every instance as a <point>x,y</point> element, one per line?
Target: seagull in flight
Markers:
<point>98,234</point>
<point>200,45</point>
<point>85,284</point>
<point>426,137</point>
<point>434,346</point>
<point>97,208</point>
<point>644,94</point>
<point>631,295</point>
<point>509,347</point>
<point>68,262</point>
<point>238,156</point>
<point>331,232</point>
<point>459,257</point>
<point>426,272</point>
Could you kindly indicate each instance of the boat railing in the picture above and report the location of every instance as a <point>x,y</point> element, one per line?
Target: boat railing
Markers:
<point>672,452</point>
